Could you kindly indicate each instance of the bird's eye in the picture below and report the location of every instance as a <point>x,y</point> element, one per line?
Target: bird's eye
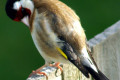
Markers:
<point>26,12</point>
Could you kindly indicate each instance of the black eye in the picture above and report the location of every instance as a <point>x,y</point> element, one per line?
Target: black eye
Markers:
<point>26,12</point>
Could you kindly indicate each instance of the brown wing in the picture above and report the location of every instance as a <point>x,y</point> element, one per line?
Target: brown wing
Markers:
<point>64,21</point>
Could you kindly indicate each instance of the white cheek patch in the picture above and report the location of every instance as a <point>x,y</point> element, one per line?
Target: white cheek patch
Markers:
<point>27,4</point>
<point>17,5</point>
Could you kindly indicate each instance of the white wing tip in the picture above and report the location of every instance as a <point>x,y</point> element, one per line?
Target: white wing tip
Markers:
<point>86,60</point>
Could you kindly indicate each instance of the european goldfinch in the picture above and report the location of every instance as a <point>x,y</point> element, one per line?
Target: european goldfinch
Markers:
<point>56,32</point>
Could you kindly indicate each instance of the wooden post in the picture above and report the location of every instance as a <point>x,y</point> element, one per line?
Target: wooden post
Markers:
<point>106,52</point>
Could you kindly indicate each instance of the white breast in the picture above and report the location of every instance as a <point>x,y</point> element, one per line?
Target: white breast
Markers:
<point>50,37</point>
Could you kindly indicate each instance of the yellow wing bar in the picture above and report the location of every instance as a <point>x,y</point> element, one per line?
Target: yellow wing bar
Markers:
<point>62,52</point>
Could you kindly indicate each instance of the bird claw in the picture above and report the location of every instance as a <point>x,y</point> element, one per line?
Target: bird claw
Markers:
<point>38,72</point>
<point>57,65</point>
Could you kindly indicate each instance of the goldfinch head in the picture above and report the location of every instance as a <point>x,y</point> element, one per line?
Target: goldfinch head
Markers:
<point>20,10</point>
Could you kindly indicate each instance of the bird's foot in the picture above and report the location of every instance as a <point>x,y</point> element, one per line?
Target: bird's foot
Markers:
<point>57,65</point>
<point>38,72</point>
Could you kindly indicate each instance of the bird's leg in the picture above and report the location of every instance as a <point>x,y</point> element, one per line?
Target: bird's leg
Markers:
<point>57,65</point>
<point>38,72</point>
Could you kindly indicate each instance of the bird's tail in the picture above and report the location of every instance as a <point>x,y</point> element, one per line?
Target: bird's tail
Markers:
<point>90,65</point>
<point>97,75</point>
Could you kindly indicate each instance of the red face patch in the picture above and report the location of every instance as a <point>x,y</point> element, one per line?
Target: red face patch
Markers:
<point>21,13</point>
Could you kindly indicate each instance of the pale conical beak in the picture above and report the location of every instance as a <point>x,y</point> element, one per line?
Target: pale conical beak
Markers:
<point>25,20</point>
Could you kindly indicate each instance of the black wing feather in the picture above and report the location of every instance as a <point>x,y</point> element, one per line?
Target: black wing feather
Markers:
<point>73,58</point>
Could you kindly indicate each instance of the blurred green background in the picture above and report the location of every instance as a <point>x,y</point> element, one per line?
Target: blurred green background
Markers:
<point>18,55</point>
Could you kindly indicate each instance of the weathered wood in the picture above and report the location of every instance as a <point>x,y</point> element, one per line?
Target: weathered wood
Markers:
<point>106,52</point>
<point>52,72</point>
<point>70,72</point>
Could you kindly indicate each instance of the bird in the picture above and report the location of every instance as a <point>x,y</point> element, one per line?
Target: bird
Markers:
<point>56,32</point>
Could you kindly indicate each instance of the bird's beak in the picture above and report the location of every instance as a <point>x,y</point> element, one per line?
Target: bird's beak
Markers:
<point>25,20</point>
